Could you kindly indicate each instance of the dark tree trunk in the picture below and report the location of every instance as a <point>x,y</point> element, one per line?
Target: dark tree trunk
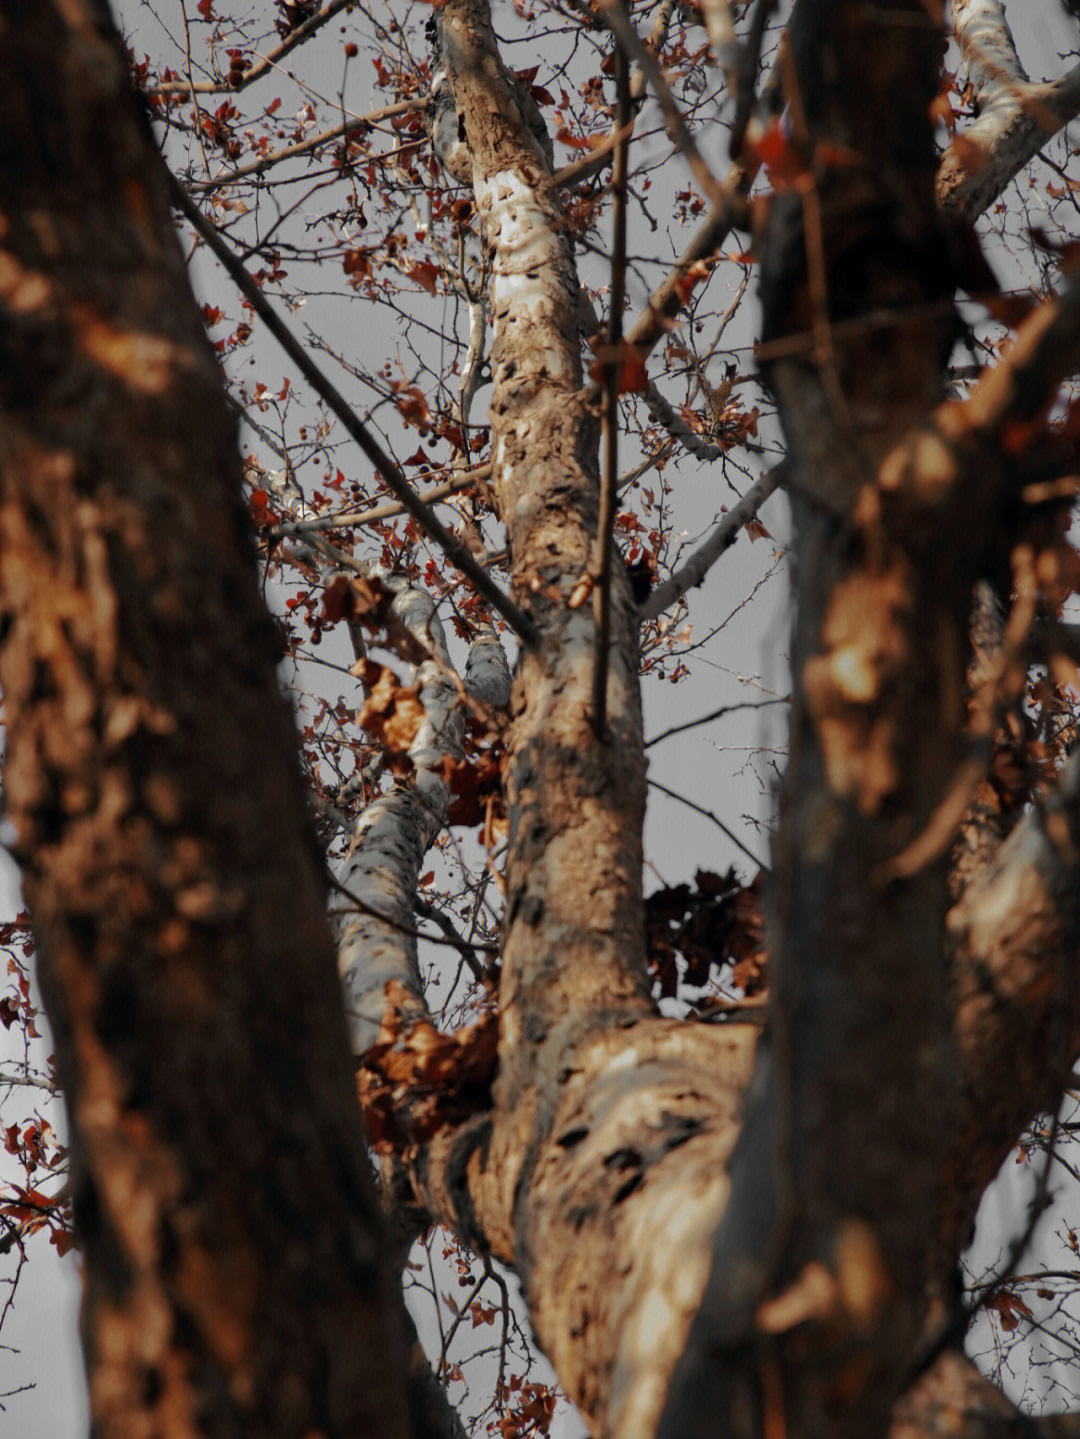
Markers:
<point>235,1277</point>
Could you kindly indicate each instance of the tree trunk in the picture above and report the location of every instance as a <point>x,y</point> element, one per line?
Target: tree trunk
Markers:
<point>223,1199</point>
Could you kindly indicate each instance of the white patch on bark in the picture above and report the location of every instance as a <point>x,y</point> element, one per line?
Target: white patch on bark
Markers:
<point>487,674</point>
<point>529,279</point>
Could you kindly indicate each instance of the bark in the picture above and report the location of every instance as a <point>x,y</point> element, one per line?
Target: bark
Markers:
<point>377,935</point>
<point>604,1115</point>
<point>234,1251</point>
<point>954,1398</point>
<point>574,932</point>
<point>824,1271</point>
<point>822,1268</point>
<point>1016,932</point>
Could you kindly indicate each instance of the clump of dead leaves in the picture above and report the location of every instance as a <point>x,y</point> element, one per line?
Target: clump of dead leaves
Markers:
<point>416,1080</point>
<point>694,933</point>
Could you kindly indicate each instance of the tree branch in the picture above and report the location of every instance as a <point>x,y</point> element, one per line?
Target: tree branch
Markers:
<point>388,470</point>
<point>1016,118</point>
<point>344,520</point>
<point>267,62</point>
<point>377,938</point>
<point>724,534</point>
<point>177,893</point>
<point>605,540</point>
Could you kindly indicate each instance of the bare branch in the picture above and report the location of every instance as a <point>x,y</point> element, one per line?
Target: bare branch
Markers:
<point>262,66</point>
<point>314,142</point>
<point>691,574</point>
<point>388,470</point>
<point>714,819</point>
<point>372,514</point>
<point>1015,120</point>
<point>616,19</point>
<point>605,541</point>
<point>678,429</point>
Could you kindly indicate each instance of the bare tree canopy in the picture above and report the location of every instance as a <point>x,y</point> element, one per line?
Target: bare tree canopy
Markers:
<point>731,1137</point>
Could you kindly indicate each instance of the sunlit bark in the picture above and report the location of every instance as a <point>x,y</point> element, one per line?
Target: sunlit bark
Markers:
<point>1015,117</point>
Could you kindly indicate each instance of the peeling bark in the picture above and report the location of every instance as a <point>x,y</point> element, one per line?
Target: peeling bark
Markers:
<point>824,1274</point>
<point>1016,932</point>
<point>574,928</point>
<point>378,879</point>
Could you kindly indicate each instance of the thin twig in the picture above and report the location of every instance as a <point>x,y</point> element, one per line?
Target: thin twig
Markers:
<point>313,142</point>
<point>708,814</point>
<point>612,370</point>
<point>630,42</point>
<point>687,576</point>
<point>465,948</point>
<point>592,163</point>
<point>747,60</point>
<point>393,477</point>
<point>715,715</point>
<point>266,63</point>
<point>198,127</point>
<point>357,906</point>
<point>952,1329</point>
<point>671,295</point>
<point>372,514</point>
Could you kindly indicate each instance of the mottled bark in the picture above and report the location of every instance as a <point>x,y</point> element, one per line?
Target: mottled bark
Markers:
<point>378,878</point>
<point>234,1254</point>
<point>186,955</point>
<point>604,1116</point>
<point>573,950</point>
<point>953,1398</point>
<point>1016,999</point>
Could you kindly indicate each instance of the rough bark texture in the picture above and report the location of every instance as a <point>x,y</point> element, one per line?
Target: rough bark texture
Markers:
<point>234,1259</point>
<point>822,1267</point>
<point>824,1273</point>
<point>377,934</point>
<point>955,1399</point>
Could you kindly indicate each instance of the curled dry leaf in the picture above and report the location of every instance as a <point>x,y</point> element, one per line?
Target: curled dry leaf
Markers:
<point>474,784</point>
<point>392,713</point>
<point>416,1080</point>
<point>715,923</point>
<point>1009,1308</point>
<point>346,598</point>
